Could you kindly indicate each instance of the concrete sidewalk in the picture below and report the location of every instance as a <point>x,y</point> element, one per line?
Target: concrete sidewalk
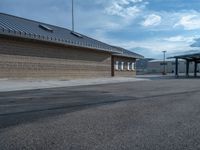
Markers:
<point>29,84</point>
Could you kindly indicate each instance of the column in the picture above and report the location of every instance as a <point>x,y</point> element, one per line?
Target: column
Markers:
<point>195,68</point>
<point>176,67</point>
<point>187,68</point>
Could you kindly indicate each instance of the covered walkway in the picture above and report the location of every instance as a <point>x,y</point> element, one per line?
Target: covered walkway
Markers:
<point>195,58</point>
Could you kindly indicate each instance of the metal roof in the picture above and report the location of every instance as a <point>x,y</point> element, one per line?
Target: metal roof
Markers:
<point>29,29</point>
<point>126,53</point>
<point>20,27</point>
<point>189,55</point>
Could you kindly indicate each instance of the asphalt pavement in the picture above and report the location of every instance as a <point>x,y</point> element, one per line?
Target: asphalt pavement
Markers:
<point>145,115</point>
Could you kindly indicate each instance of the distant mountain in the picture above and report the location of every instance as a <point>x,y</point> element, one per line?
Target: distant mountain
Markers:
<point>147,53</point>
<point>196,43</point>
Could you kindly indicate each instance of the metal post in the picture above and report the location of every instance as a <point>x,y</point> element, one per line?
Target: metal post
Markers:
<point>187,67</point>
<point>195,68</point>
<point>73,15</point>
<point>164,63</point>
<point>176,67</point>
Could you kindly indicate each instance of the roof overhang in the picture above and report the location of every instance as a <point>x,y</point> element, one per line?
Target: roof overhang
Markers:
<point>128,56</point>
<point>192,57</point>
<point>121,52</point>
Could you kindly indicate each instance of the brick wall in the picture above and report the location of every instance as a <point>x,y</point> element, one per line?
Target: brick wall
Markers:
<point>28,59</point>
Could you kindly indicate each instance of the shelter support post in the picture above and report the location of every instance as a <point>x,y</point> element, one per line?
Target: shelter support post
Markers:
<point>176,67</point>
<point>187,68</point>
<point>195,68</point>
<point>113,66</point>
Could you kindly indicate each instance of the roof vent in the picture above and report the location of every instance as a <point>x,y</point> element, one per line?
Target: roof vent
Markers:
<point>46,28</point>
<point>77,34</point>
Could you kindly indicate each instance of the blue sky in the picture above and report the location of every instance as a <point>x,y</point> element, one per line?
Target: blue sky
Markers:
<point>144,26</point>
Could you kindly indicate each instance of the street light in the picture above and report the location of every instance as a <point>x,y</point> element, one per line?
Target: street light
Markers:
<point>164,63</point>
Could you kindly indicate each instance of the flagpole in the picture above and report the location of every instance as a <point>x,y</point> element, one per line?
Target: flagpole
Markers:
<point>73,15</point>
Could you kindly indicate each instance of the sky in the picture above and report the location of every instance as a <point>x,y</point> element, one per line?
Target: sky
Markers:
<point>147,27</point>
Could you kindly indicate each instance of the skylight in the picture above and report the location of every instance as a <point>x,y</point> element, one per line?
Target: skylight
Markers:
<point>77,34</point>
<point>44,27</point>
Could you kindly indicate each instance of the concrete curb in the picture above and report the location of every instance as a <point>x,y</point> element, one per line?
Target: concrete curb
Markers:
<point>7,85</point>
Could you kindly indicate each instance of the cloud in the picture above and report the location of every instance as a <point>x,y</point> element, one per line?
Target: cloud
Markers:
<point>181,38</point>
<point>154,47</point>
<point>150,47</point>
<point>189,22</point>
<point>152,20</point>
<point>111,16</point>
<point>125,8</point>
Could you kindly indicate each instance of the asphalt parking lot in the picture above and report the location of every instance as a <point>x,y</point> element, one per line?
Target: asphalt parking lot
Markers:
<point>145,115</point>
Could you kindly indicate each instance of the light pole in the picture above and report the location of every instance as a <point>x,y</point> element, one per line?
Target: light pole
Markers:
<point>164,67</point>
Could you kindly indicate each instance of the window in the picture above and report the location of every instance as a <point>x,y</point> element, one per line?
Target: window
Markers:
<point>128,66</point>
<point>45,27</point>
<point>122,65</point>
<point>77,34</point>
<point>133,66</point>
<point>116,65</point>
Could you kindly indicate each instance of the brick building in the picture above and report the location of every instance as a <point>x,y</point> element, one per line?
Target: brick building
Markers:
<point>31,49</point>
